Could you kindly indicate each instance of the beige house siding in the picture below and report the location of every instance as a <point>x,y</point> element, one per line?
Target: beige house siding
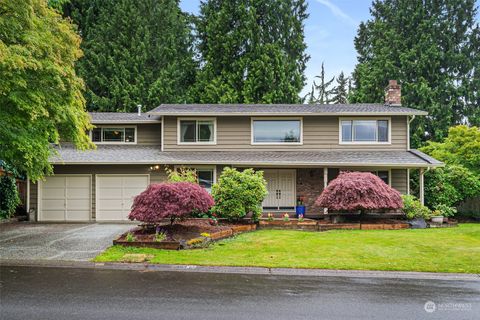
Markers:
<point>156,176</point>
<point>319,132</point>
<point>149,134</point>
<point>399,180</point>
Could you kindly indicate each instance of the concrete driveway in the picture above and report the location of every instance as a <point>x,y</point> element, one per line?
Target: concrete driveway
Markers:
<point>75,242</point>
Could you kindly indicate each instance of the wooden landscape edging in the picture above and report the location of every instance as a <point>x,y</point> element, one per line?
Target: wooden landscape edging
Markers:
<point>177,245</point>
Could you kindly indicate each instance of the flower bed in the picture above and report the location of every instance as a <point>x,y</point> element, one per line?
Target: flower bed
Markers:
<point>306,224</point>
<point>187,234</point>
<point>324,225</point>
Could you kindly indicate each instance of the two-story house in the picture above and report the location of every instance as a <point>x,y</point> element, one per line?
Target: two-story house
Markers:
<point>299,147</point>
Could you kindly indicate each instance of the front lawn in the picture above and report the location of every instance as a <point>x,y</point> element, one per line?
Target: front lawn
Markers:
<point>434,250</point>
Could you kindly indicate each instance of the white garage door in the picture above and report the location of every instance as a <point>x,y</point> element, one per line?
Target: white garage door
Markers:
<point>65,198</point>
<point>115,195</point>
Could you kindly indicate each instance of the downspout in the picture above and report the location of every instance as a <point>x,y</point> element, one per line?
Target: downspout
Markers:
<point>408,130</point>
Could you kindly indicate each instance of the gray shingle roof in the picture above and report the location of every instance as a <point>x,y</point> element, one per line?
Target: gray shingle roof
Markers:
<point>283,109</point>
<point>119,154</point>
<point>122,117</point>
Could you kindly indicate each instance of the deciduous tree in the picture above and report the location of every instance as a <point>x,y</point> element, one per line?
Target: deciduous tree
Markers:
<point>359,191</point>
<point>173,200</point>
<point>41,98</point>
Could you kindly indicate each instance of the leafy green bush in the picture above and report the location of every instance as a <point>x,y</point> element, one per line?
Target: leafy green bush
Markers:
<point>9,198</point>
<point>238,193</point>
<point>182,174</point>
<point>414,209</point>
<point>450,185</point>
<point>445,210</point>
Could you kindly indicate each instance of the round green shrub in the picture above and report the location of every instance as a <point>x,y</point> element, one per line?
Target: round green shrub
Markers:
<point>238,193</point>
<point>9,198</point>
<point>450,185</point>
<point>414,209</point>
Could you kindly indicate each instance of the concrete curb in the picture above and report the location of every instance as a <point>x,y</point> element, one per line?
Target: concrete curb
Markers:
<point>243,270</point>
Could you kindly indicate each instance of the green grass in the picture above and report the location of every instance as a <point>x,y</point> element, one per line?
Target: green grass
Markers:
<point>434,250</point>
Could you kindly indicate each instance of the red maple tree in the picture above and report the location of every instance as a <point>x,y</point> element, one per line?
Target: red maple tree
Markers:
<point>170,200</point>
<point>359,191</point>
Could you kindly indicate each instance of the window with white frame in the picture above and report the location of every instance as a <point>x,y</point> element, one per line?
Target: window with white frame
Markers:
<point>276,131</point>
<point>384,175</point>
<point>197,131</point>
<point>365,131</point>
<point>206,178</point>
<point>114,135</point>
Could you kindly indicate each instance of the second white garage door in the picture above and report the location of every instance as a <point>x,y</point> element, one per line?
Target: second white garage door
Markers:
<point>115,195</point>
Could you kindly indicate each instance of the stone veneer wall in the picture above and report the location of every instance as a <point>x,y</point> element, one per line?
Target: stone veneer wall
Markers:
<point>310,185</point>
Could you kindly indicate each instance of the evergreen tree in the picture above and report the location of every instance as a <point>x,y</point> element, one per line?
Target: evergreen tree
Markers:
<point>340,92</point>
<point>323,89</point>
<point>432,48</point>
<point>136,52</point>
<point>253,51</point>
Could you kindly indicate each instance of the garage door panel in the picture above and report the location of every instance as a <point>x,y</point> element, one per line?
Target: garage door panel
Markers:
<point>53,204</point>
<point>78,215</point>
<point>53,193</point>
<point>133,192</point>
<point>78,193</point>
<point>54,182</point>
<point>78,182</point>
<point>109,204</point>
<point>110,193</point>
<point>53,215</point>
<point>104,182</point>
<point>78,204</point>
<point>138,182</point>
<point>105,215</point>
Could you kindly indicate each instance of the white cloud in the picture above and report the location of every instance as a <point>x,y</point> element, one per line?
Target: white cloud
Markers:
<point>338,12</point>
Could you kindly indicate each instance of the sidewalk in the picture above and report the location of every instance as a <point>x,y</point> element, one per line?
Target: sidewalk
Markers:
<point>243,270</point>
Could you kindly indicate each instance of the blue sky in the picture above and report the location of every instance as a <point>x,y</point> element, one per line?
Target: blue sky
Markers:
<point>329,33</point>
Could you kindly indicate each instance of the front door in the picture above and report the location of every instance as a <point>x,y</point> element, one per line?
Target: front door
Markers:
<point>281,189</point>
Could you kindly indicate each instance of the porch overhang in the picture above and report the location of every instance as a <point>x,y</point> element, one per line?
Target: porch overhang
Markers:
<point>120,154</point>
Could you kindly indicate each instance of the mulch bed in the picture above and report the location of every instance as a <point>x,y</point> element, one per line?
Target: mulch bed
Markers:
<point>183,235</point>
<point>184,230</point>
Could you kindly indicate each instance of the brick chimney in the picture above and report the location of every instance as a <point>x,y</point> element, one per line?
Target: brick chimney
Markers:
<point>393,93</point>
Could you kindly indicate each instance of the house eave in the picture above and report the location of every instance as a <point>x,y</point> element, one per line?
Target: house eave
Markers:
<point>260,164</point>
<point>269,114</point>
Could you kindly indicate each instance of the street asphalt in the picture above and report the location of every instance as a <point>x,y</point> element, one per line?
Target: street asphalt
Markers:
<point>28,292</point>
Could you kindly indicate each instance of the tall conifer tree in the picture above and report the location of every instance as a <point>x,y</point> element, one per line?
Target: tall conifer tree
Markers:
<point>135,52</point>
<point>340,92</point>
<point>432,48</point>
<point>253,51</point>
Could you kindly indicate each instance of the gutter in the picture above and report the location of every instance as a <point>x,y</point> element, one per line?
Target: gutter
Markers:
<point>263,164</point>
<point>269,114</point>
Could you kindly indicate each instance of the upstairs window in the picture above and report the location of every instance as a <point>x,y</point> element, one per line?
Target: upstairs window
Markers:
<point>276,131</point>
<point>114,135</point>
<point>365,131</point>
<point>197,131</point>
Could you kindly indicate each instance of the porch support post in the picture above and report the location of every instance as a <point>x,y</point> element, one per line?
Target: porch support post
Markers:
<point>325,183</point>
<point>408,181</point>
<point>28,196</point>
<point>422,193</point>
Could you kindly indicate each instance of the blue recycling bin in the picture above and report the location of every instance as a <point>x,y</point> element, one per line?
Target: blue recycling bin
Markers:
<point>300,210</point>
